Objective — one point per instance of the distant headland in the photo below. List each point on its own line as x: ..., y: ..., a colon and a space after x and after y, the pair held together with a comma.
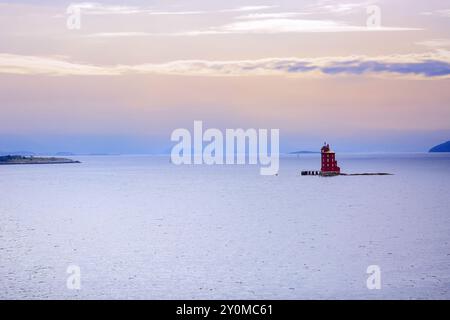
x: 443, y: 147
x: 304, y: 152
x: 15, y: 159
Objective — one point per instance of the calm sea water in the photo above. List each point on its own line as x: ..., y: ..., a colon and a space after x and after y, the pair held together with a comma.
x: 139, y: 227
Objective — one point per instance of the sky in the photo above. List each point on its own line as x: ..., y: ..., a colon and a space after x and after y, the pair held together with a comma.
x: 366, y: 76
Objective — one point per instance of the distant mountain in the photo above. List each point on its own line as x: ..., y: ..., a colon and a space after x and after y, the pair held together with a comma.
x: 444, y: 147
x: 65, y: 154
x: 17, y: 153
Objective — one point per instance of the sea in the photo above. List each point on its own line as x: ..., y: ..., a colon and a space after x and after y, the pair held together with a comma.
x: 139, y: 227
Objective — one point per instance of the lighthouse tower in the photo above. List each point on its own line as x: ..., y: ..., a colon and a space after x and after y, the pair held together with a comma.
x: 329, y: 163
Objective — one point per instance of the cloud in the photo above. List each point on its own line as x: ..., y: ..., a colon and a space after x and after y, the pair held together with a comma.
x: 120, y: 34
x: 270, y: 26
x: 324, y: 6
x: 445, y: 13
x: 55, y: 66
x: 94, y: 8
x: 272, y: 15
x: 253, y: 22
x: 102, y: 9
x: 327, y: 6
x: 434, y: 65
x: 175, y: 13
x: 441, y: 13
x: 426, y: 68
x: 267, y: 26
x: 248, y: 8
x: 435, y: 43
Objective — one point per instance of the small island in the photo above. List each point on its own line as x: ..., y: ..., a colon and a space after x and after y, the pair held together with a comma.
x: 444, y: 147
x: 13, y: 159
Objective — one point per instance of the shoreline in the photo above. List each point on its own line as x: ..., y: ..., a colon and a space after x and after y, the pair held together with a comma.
x: 35, y: 163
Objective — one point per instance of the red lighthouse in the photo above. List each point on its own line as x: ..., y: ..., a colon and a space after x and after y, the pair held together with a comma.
x: 329, y: 163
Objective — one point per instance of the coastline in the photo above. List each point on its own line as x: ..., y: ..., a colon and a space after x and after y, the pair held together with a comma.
x: 19, y: 160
